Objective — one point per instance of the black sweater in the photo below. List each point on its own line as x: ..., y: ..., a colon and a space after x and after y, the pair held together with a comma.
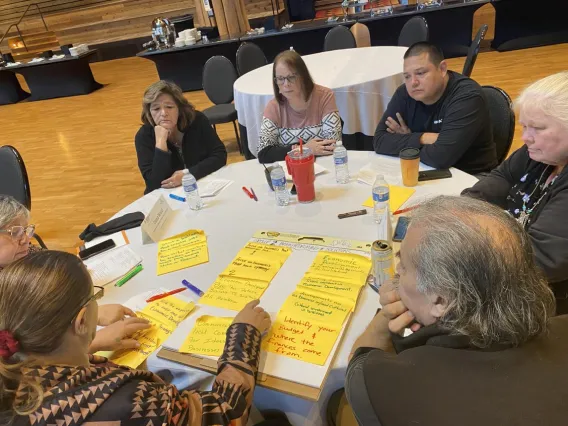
x: 203, y: 153
x: 461, y: 118
x: 436, y: 379
x: 546, y: 228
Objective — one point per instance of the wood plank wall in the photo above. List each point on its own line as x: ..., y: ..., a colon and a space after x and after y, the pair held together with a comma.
x: 96, y: 21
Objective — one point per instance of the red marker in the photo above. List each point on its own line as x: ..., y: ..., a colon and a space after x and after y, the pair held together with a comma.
x: 405, y: 210
x: 253, y: 194
x: 164, y: 295
x: 248, y: 193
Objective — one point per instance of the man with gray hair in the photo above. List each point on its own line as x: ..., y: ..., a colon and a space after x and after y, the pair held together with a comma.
x: 484, y: 350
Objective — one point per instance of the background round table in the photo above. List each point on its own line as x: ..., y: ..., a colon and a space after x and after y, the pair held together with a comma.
x: 230, y: 220
x: 363, y: 79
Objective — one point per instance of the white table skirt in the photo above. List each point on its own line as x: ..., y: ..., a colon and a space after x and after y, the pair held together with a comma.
x: 363, y: 80
x: 230, y: 220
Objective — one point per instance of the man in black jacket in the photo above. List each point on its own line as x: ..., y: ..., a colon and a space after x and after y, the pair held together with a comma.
x: 442, y: 112
x: 485, y: 350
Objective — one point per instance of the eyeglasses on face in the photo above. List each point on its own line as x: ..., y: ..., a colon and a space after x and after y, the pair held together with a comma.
x: 98, y: 293
x: 17, y: 232
x: 291, y: 79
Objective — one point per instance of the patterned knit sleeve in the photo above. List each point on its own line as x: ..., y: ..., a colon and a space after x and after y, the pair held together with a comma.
x: 331, y: 121
x: 269, y: 129
x: 228, y: 403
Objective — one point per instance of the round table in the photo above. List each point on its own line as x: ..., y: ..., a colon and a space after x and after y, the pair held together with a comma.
x: 230, y: 220
x: 363, y: 80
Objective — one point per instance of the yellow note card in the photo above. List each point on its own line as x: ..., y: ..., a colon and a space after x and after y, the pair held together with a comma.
x: 167, y: 313
x: 233, y: 293
x: 300, y: 338
x: 182, y: 251
x: 267, y: 251
x: 352, y: 268
x: 397, y: 196
x: 256, y: 268
x: 316, y: 306
x: 335, y: 287
x: 207, y: 336
x: 149, y: 341
x: 164, y: 315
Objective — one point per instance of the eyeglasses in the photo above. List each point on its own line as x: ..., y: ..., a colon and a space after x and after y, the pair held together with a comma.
x: 98, y: 293
x: 291, y: 79
x: 17, y: 232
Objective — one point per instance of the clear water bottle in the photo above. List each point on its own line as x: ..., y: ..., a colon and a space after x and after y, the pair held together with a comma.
x: 340, y: 160
x: 278, y: 178
x: 192, y: 197
x: 380, y: 199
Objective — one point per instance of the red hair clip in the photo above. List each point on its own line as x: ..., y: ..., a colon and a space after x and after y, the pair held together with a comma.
x: 8, y: 344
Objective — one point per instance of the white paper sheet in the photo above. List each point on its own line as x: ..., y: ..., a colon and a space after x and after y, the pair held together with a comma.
x: 207, y: 189
x: 110, y: 266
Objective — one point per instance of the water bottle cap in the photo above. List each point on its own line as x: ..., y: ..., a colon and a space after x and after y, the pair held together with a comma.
x: 381, y: 177
x: 185, y: 171
x: 339, y: 143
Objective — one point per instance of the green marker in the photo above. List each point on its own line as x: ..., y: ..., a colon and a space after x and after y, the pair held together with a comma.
x: 128, y: 276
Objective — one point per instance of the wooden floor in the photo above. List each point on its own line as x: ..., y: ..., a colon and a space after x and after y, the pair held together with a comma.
x: 80, y: 153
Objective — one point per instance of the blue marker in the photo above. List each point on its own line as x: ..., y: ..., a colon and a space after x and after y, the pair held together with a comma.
x: 176, y: 197
x: 192, y: 288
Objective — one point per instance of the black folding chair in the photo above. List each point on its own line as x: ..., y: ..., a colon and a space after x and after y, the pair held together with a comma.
x: 413, y: 31
x: 219, y: 75
x: 502, y: 120
x: 474, y: 51
x: 249, y: 58
x: 339, y: 38
x: 14, y: 179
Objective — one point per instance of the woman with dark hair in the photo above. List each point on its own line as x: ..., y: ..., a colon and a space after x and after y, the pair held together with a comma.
x: 174, y: 137
x: 47, y: 376
x: 300, y: 109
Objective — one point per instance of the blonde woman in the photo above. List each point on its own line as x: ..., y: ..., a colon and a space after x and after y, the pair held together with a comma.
x: 174, y: 136
x: 532, y: 184
x: 119, y: 322
x: 47, y: 376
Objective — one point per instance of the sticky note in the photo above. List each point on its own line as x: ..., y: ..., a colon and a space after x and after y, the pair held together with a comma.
x: 342, y: 289
x: 169, y: 310
x: 164, y: 315
x: 182, y: 251
x: 267, y: 251
x: 397, y: 197
x: 352, y: 268
x: 256, y: 268
x: 296, y: 337
x: 233, y: 292
x: 207, y: 336
x: 316, y: 306
x: 149, y: 341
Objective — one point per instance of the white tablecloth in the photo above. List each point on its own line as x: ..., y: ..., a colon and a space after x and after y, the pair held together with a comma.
x: 363, y: 80
x: 230, y: 220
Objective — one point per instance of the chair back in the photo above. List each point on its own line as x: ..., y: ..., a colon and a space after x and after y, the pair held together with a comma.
x: 473, y: 51
x: 502, y: 119
x: 219, y: 75
x: 413, y: 31
x: 13, y: 176
x: 361, y: 34
x: 249, y: 57
x: 339, y: 38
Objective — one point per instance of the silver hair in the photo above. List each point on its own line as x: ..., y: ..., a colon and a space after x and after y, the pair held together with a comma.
x: 481, y: 262
x: 11, y: 210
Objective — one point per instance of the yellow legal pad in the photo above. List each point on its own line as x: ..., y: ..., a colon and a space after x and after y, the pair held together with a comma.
x: 397, y: 196
x: 182, y: 251
x: 207, y: 336
x: 164, y: 315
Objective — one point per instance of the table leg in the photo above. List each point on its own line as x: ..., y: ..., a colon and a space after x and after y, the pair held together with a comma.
x: 10, y: 89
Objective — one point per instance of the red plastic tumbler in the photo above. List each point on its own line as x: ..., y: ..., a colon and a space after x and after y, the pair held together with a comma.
x: 300, y: 164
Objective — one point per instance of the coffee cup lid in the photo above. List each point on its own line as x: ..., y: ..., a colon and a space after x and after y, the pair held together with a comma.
x: 409, y: 153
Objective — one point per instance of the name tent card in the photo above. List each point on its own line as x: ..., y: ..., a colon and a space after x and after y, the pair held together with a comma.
x: 156, y: 222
